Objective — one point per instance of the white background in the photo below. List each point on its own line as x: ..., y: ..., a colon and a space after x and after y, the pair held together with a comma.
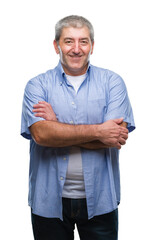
x: 125, y: 43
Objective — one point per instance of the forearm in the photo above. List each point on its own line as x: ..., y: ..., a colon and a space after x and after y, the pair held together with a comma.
x: 94, y: 145
x: 55, y: 134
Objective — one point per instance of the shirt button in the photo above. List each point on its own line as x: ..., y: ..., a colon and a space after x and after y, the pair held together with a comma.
x: 61, y: 178
x: 64, y: 158
x: 73, y: 103
x: 71, y: 122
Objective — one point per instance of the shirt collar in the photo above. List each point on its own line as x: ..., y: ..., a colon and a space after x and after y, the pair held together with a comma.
x: 61, y: 72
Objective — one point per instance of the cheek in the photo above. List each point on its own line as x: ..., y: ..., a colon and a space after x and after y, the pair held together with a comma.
x: 66, y: 49
x: 87, y: 51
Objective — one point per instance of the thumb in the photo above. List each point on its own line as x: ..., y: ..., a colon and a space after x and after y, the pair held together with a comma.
x: 118, y: 120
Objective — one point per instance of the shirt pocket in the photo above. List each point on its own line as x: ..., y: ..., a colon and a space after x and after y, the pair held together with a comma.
x: 96, y: 109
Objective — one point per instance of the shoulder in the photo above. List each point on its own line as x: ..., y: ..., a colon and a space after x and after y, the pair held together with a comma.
x: 105, y: 74
x: 40, y: 81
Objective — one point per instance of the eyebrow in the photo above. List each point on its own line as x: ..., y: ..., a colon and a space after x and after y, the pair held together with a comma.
x: 68, y: 38
x: 84, y: 39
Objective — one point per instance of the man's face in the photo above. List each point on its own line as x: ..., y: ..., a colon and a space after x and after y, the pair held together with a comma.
x: 74, y: 48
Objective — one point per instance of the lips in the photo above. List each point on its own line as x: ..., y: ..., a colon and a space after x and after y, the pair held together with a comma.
x: 75, y: 56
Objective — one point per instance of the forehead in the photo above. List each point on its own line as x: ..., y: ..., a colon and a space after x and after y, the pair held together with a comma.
x: 71, y: 32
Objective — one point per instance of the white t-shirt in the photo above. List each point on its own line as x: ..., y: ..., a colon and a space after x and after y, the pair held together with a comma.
x: 74, y: 185
x: 76, y: 81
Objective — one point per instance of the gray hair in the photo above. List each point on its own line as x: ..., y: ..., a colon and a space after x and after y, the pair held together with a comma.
x: 73, y: 21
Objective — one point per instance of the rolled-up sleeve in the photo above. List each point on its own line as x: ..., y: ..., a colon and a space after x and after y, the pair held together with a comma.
x: 33, y: 93
x: 118, y: 102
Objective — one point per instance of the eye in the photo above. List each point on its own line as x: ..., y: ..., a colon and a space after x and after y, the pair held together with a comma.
x: 68, y: 42
x: 84, y: 42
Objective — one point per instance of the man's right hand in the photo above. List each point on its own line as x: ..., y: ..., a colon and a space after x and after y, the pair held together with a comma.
x: 112, y: 134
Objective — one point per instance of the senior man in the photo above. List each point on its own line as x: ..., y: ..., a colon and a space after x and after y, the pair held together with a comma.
x: 77, y: 117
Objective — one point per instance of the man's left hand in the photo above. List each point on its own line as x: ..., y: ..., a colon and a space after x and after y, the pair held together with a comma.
x: 44, y: 110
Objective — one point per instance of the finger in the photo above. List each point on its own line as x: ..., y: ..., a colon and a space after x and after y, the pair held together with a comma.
x: 39, y: 105
x: 46, y: 117
x: 42, y: 102
x: 124, y: 130
x: 45, y: 103
x: 36, y: 105
x: 122, y: 141
x: 118, y: 146
x: 38, y: 110
x: 124, y: 135
x: 40, y: 115
x: 118, y: 120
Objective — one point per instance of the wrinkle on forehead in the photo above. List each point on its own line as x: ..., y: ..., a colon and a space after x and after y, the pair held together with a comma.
x: 76, y: 33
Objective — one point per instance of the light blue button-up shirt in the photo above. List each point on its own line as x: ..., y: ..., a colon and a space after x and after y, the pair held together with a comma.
x: 101, y: 97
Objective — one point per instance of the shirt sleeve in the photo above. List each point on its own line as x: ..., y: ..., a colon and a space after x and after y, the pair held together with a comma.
x: 33, y: 93
x: 118, y: 102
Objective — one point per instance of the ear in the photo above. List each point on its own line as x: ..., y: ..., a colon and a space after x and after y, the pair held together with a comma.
x: 56, y: 47
x: 92, y: 47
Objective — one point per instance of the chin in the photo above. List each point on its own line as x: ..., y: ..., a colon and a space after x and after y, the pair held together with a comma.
x: 75, y: 66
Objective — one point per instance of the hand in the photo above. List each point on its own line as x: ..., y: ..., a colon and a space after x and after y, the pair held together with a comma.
x: 44, y: 110
x: 112, y: 134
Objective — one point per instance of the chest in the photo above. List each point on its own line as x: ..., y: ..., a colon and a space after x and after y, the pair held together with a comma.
x: 87, y: 106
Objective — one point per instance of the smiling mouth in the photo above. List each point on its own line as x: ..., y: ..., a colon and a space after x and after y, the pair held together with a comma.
x: 75, y: 56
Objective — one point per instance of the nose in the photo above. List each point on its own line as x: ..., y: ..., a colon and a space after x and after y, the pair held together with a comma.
x: 76, y: 48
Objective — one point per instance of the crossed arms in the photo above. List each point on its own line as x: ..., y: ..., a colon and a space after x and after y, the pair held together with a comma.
x: 51, y: 133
